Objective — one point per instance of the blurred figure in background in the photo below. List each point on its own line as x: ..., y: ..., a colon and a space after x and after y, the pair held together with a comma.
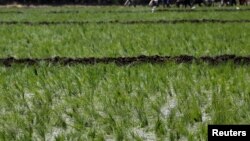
x: 153, y: 4
x: 228, y: 2
x: 243, y: 2
x: 233, y: 2
x: 130, y: 2
x: 166, y: 3
x: 184, y: 2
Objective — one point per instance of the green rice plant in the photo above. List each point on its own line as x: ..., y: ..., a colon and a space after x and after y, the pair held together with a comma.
x: 121, y: 40
x: 167, y: 101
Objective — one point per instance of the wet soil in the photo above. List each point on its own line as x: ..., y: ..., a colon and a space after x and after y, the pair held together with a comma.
x: 214, y: 60
x: 197, y: 21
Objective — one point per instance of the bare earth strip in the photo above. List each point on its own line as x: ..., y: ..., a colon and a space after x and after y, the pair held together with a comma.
x: 123, y: 22
x: 242, y: 60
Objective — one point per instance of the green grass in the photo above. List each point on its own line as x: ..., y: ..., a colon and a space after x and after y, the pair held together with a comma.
x: 101, y: 101
x: 118, y: 13
x: 124, y: 40
x: 132, y: 102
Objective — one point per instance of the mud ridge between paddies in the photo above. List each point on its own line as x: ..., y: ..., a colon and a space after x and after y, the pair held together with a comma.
x: 214, y: 60
x: 195, y: 21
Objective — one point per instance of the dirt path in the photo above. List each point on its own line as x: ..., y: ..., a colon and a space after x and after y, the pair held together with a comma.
x: 214, y: 60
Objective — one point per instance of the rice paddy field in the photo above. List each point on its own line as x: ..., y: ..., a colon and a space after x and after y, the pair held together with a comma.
x: 44, y: 97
